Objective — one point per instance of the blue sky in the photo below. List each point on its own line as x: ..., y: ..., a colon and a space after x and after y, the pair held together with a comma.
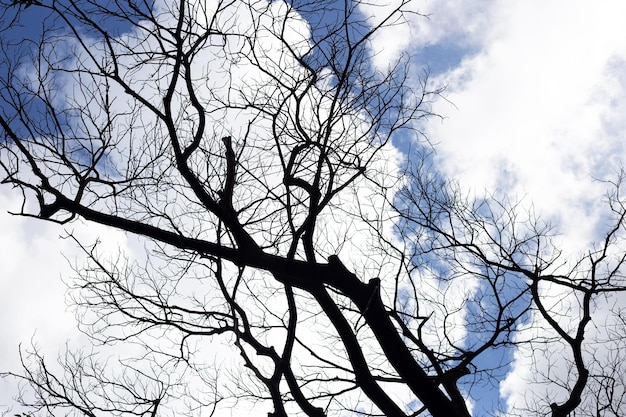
x: 534, y: 108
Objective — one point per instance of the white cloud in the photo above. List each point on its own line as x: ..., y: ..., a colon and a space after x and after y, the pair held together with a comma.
x: 430, y: 23
x: 531, y: 108
x: 538, y: 113
x: 34, y: 261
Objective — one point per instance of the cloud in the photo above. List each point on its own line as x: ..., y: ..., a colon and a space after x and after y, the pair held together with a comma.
x: 35, y: 259
x: 536, y: 112
x: 435, y: 30
x: 536, y: 92
x: 533, y: 111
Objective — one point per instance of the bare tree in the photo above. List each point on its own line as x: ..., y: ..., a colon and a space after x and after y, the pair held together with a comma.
x: 527, y: 286
x: 248, y: 144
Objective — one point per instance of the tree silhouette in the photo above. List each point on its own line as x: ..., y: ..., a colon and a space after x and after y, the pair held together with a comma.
x: 247, y: 143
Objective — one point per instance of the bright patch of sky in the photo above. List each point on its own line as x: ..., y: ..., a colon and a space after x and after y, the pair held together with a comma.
x: 537, y: 110
x: 35, y: 263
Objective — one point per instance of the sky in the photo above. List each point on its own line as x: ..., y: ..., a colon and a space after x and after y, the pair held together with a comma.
x: 534, y: 109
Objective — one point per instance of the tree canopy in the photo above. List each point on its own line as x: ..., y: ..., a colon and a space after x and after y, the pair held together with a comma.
x: 295, y: 262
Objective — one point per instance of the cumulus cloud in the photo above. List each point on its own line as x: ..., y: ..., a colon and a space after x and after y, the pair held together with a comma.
x: 535, y: 112
x: 35, y: 261
x: 531, y: 110
x: 437, y: 33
